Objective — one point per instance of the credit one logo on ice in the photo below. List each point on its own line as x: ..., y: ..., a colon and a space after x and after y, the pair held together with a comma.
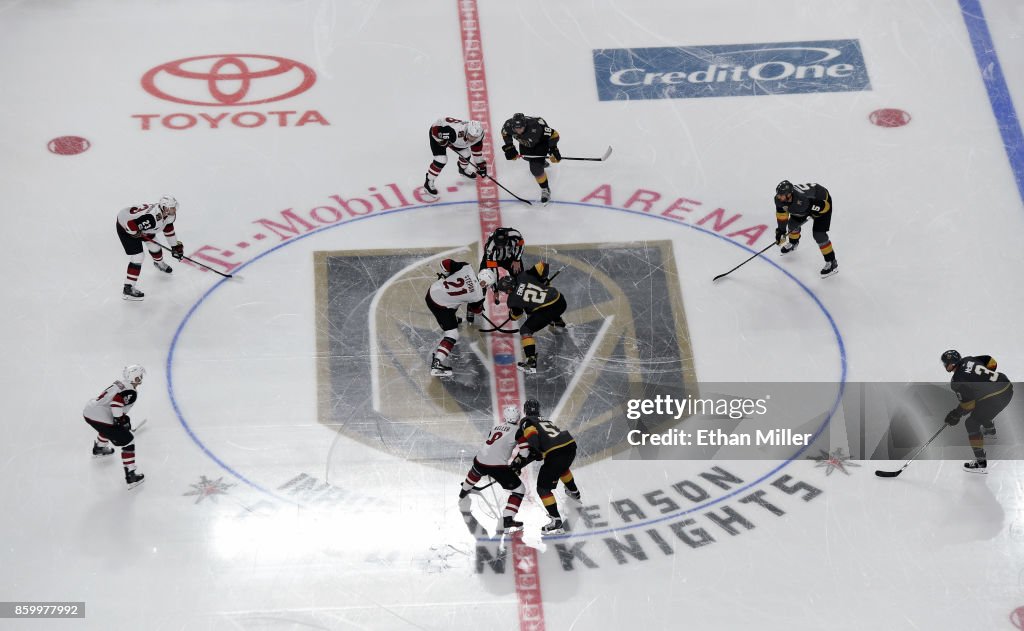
x: 229, y: 81
x: 730, y: 70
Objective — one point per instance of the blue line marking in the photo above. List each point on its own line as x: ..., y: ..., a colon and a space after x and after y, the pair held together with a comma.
x: 995, y: 85
x: 590, y: 533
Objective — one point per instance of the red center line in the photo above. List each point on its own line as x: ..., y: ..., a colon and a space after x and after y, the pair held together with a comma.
x: 503, y: 352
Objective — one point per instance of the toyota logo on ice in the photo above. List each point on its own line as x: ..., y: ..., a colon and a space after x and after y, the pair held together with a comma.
x: 228, y: 80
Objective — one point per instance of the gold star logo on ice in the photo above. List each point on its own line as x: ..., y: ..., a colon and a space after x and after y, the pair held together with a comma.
x: 834, y: 461
x: 206, y: 488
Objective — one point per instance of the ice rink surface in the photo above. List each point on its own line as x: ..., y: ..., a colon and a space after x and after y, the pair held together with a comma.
x: 302, y: 468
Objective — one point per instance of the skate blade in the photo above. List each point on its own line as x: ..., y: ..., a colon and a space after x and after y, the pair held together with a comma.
x: 556, y: 531
x: 527, y: 370
x: 440, y: 373
x: 132, y: 485
x: 832, y: 273
x: 978, y: 471
x: 102, y: 455
x: 132, y: 298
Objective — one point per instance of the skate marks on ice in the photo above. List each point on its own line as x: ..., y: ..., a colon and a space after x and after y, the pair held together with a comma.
x: 627, y: 339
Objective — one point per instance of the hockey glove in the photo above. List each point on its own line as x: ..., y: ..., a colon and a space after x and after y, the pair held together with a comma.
x: 953, y: 418
x: 467, y: 169
x: 481, y: 168
x: 780, y: 235
x: 123, y: 421
x: 178, y: 251
x: 556, y: 155
x: 510, y: 152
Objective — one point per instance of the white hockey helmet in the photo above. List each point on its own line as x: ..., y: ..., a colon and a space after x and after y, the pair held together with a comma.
x: 133, y: 375
x: 168, y: 204
x: 474, y: 131
x: 510, y: 414
x: 487, y: 278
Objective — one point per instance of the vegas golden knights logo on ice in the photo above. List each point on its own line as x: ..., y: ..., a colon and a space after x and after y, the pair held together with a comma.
x: 627, y: 339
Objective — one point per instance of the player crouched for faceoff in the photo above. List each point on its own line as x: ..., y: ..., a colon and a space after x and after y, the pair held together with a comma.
x: 466, y: 139
x: 530, y: 294
x: 541, y: 439
x: 139, y: 224
x: 538, y: 143
x: 108, y: 415
x: 493, y: 460
x: 794, y: 205
x: 983, y: 393
x: 456, y: 284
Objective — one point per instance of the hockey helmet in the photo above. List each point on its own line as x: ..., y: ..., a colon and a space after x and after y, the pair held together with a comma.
x: 168, y: 203
x: 487, y: 278
x: 446, y: 267
x: 133, y: 375
x: 506, y: 284
x: 951, y: 357
x: 785, y: 187
x: 531, y: 407
x: 474, y: 132
x: 518, y: 120
x: 510, y: 414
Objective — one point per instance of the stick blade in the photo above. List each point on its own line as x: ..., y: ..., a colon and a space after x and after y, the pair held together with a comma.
x: 719, y: 276
x: 888, y: 474
x: 607, y: 153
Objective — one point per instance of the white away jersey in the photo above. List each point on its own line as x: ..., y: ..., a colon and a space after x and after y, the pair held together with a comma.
x: 112, y: 403
x: 462, y: 140
x: 459, y: 288
x: 497, y: 449
x: 146, y: 218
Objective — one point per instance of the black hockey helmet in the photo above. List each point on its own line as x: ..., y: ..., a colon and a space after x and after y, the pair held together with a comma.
x: 785, y: 187
x: 518, y: 120
x: 531, y: 407
x: 951, y: 357
x: 506, y: 284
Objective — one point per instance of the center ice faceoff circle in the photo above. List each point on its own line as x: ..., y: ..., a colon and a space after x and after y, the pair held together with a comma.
x: 190, y: 406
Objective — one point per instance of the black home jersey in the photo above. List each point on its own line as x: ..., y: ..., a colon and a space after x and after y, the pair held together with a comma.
x: 529, y: 297
x: 542, y: 435
x: 536, y: 134
x: 808, y: 200
x: 975, y: 378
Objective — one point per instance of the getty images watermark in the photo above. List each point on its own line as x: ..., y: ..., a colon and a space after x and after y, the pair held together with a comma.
x: 666, y: 406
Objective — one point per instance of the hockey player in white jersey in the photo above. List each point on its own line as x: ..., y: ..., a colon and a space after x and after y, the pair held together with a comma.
x: 140, y: 224
x: 108, y: 415
x: 493, y: 460
x: 466, y: 139
x: 456, y: 285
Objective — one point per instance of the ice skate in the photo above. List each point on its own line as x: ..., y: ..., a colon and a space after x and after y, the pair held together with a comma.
x: 430, y: 192
x: 99, y: 450
x: 545, y: 196
x: 437, y: 369
x: 976, y: 466
x: 831, y: 268
x: 163, y: 267
x: 511, y: 524
x: 529, y: 366
x: 131, y: 293
x: 553, y: 527
x: 133, y: 478
x: 575, y: 495
x: 989, y: 433
x: 789, y: 246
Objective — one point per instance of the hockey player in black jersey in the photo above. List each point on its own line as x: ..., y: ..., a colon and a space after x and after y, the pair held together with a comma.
x: 542, y: 305
x: 794, y: 205
x: 983, y: 393
x: 538, y: 144
x: 543, y: 440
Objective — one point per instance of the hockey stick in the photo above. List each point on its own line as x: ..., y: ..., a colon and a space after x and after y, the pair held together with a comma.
x: 496, y: 328
x: 607, y: 153
x: 893, y: 474
x: 141, y: 424
x: 238, y: 278
x: 773, y: 244
x: 488, y: 176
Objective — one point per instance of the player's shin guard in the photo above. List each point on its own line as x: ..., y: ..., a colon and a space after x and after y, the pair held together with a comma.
x: 512, y: 506
x: 978, y: 446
